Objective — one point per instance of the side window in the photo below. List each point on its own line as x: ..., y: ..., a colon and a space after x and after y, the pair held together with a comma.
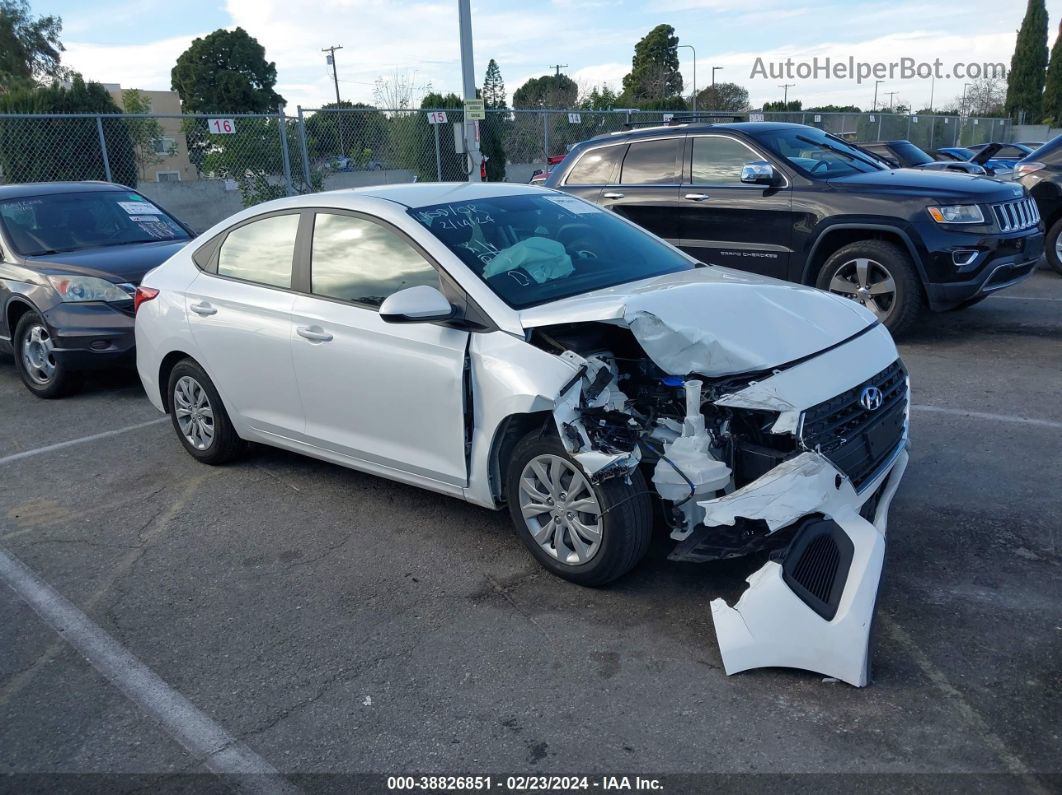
x: 651, y: 162
x: 363, y: 261
x: 595, y: 167
x: 261, y: 251
x: 718, y: 160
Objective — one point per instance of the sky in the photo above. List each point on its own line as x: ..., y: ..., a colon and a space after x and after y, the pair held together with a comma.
x: 136, y: 43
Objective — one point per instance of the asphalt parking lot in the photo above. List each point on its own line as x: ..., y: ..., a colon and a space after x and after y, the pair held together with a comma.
x: 334, y: 622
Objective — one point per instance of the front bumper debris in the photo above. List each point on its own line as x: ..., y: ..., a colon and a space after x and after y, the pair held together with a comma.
x: 812, y: 605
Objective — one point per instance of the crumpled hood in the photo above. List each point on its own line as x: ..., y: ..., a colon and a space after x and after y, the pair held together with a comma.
x: 714, y: 321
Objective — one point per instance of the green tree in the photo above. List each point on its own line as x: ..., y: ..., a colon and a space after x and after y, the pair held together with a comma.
x: 29, y: 46
x: 144, y: 133
x: 784, y: 107
x: 839, y: 109
x: 350, y: 129
x: 603, y: 98
x: 654, y: 74
x: 493, y: 129
x: 1025, y: 82
x: 50, y: 150
x: 723, y: 96
x: 414, y: 139
x: 1053, y: 87
x: 226, y: 72
x: 548, y: 91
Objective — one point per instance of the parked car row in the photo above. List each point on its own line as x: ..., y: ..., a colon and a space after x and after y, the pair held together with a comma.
x: 538, y: 350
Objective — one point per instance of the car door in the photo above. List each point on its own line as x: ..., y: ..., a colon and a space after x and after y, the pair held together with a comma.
x: 389, y: 394
x: 647, y: 188
x: 723, y: 221
x: 239, y: 313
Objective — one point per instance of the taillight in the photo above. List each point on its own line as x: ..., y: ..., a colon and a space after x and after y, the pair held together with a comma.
x: 143, y: 294
x: 1023, y: 169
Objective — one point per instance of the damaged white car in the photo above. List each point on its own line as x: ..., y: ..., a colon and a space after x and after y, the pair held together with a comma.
x: 522, y: 348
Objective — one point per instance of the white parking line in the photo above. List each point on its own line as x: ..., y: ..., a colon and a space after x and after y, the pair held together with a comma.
x: 984, y: 415
x: 1024, y: 298
x: 219, y: 751
x: 7, y: 459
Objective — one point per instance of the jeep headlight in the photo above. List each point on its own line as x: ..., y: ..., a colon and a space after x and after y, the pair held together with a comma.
x: 87, y: 288
x: 957, y: 214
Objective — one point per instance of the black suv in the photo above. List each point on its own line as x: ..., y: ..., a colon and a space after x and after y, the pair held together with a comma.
x: 796, y: 203
x: 1041, y: 174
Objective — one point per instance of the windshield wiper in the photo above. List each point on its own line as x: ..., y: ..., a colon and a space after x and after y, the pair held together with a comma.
x: 841, y: 152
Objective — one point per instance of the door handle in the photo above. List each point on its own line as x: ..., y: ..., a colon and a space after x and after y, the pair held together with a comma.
x: 697, y: 197
x: 313, y: 333
x: 203, y: 309
x: 612, y: 195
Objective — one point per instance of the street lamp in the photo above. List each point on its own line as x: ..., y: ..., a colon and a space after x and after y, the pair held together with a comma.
x: 962, y: 104
x: 714, y: 68
x: 876, y: 84
x: 690, y: 46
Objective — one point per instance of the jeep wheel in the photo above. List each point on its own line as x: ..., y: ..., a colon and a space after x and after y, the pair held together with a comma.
x: 1053, y: 246
x: 881, y: 277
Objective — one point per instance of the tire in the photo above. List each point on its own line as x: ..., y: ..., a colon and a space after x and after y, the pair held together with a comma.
x: 1051, y: 246
x: 887, y: 265
x: 624, y: 518
x: 199, y: 417
x: 44, y: 375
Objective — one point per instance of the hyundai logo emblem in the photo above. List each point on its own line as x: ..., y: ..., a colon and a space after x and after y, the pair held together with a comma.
x: 871, y: 398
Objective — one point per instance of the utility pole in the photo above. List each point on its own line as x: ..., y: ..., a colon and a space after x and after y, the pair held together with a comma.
x: 876, y: 84
x: 690, y: 47
x: 785, y: 95
x: 468, y: 79
x: 558, y: 67
x: 892, y: 96
x: 331, y: 60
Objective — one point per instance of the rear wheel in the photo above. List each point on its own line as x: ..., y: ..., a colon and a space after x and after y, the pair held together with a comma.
x: 41, y: 371
x: 880, y: 276
x: 1053, y: 246
x: 584, y: 532
x: 198, y: 416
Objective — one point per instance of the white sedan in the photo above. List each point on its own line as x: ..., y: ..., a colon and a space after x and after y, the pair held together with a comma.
x: 517, y: 347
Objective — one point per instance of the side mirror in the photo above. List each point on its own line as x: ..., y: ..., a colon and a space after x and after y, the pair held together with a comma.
x: 419, y: 304
x: 759, y: 172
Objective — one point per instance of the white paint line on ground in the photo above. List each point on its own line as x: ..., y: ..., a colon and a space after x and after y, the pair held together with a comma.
x: 7, y: 459
x: 1010, y: 760
x: 219, y: 751
x: 1025, y: 298
x: 984, y: 415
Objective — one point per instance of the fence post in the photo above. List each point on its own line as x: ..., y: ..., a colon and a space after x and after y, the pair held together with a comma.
x: 438, y: 155
x: 545, y: 137
x: 282, y: 120
x: 880, y: 119
x: 103, y: 149
x: 305, y: 152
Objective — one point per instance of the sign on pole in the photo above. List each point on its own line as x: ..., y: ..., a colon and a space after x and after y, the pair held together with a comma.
x: 222, y: 126
x: 668, y: 117
x: 574, y: 118
x: 759, y: 117
x: 437, y: 117
x: 474, y: 110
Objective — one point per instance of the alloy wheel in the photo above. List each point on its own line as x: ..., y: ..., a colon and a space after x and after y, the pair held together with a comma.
x: 867, y: 282
x: 195, y: 415
x: 560, y: 509
x: 38, y: 355
x: 1058, y: 248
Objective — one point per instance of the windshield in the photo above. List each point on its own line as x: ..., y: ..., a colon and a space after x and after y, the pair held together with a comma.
x: 59, y: 222
x: 815, y: 154
x: 911, y: 153
x: 534, y: 248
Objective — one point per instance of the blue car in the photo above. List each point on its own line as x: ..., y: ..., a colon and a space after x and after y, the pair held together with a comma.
x: 993, y: 165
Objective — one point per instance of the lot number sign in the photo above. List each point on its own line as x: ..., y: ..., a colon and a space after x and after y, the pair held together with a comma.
x: 437, y: 117
x: 222, y: 126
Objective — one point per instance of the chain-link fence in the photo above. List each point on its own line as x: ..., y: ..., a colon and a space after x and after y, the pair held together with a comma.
x: 204, y: 168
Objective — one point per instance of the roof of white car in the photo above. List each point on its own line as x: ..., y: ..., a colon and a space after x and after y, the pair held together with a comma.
x: 424, y: 194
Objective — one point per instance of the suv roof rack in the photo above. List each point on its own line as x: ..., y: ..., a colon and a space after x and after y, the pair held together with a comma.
x: 687, y: 118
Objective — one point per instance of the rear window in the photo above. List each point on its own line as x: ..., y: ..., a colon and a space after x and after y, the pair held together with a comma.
x: 651, y: 162
x: 58, y: 222
x: 595, y: 167
x: 911, y: 153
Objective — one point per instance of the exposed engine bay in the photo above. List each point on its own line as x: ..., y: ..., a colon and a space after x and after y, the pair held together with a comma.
x: 747, y: 463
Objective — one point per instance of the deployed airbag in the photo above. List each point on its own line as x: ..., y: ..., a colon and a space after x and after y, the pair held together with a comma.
x: 542, y: 258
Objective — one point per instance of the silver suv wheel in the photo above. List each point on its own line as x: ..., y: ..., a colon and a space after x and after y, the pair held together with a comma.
x: 37, y: 355
x: 560, y: 509
x: 195, y: 415
x: 868, y: 282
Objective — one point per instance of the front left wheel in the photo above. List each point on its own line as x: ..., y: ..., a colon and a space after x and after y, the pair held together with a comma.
x: 43, y: 373
x: 199, y: 417
x: 584, y: 532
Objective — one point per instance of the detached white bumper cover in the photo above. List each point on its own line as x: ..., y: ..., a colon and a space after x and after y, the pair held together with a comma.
x: 771, y: 625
